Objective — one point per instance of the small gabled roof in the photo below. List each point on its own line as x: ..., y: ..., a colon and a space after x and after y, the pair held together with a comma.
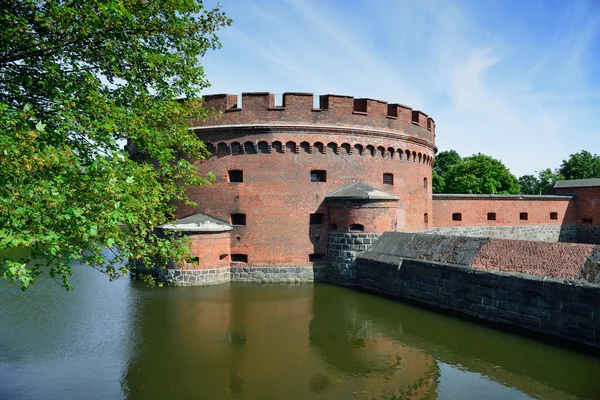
x: 360, y: 191
x: 574, y: 183
x: 198, y: 222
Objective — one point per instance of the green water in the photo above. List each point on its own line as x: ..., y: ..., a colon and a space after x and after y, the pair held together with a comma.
x: 112, y: 340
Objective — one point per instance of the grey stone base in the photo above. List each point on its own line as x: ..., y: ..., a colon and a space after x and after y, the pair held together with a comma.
x: 190, y: 277
x: 272, y: 274
x: 215, y: 276
x: 588, y: 234
x: 342, y: 250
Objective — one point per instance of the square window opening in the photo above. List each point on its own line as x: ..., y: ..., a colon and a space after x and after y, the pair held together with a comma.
x: 456, y: 217
x: 553, y: 215
x: 238, y: 219
x: 357, y: 228
x: 243, y: 258
x: 317, y: 219
x: 491, y: 216
x: 315, y: 258
x: 318, y: 175
x: 388, y: 179
x: 523, y: 216
x: 236, y: 175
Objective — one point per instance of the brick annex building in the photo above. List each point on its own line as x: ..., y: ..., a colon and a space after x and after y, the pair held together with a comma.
x: 290, y: 177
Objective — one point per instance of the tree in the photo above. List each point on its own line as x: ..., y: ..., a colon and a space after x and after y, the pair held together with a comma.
x: 547, y: 178
x: 480, y: 174
x: 443, y: 161
x: 529, y: 184
x: 77, y: 79
x: 582, y: 165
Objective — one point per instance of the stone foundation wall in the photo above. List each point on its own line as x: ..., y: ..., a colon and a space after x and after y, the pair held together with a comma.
x: 588, y: 234
x: 566, y: 309
x: 342, y: 250
x: 273, y: 274
x: 192, y: 277
x: 543, y: 233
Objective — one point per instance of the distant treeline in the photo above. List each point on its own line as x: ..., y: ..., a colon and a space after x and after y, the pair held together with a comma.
x: 481, y: 174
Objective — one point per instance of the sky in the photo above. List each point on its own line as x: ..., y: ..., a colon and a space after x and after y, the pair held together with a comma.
x: 516, y: 80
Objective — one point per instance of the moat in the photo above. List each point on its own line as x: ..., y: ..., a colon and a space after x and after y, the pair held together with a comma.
x: 111, y: 340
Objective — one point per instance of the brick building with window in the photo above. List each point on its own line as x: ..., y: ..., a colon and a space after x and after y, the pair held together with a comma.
x: 289, y: 175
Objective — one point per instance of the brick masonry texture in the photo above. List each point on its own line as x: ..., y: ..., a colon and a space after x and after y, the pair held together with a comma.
x: 557, y: 260
x: 565, y: 309
x: 566, y: 215
x: 278, y: 147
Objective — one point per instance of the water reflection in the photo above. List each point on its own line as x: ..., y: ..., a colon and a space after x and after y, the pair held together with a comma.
x: 123, y: 340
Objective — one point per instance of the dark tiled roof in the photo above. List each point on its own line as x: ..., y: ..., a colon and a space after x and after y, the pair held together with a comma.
x: 574, y: 183
x: 360, y: 191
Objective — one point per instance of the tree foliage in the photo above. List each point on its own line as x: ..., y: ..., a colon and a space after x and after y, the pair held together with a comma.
x: 531, y: 184
x: 443, y: 161
x: 582, y: 165
x: 480, y: 174
x: 77, y: 79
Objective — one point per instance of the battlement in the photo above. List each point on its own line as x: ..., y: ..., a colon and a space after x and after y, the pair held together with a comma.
x: 329, y: 109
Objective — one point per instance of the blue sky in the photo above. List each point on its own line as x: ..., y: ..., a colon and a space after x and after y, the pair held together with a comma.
x: 517, y: 80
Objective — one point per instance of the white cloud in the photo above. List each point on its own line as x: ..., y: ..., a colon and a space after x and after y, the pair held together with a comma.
x: 506, y: 88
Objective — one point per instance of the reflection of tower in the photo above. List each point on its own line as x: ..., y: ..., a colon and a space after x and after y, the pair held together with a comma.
x: 183, y: 344
x: 364, y: 359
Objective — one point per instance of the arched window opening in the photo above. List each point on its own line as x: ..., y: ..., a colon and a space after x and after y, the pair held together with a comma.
x: 347, y: 149
x: 332, y: 148
x: 263, y: 147
x: 222, y: 149
x: 370, y: 150
x: 320, y: 148
x: 291, y: 147
x: 357, y: 228
x: 277, y: 146
x: 305, y: 146
x: 236, y: 149
x: 249, y: 148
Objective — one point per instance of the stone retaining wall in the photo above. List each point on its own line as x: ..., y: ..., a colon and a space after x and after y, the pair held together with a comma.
x: 192, y: 277
x: 544, y: 233
x: 565, y: 309
x: 272, y: 274
x: 588, y: 233
x: 342, y: 250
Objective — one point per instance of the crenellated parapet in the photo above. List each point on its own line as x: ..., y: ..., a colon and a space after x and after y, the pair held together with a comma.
x: 333, y: 111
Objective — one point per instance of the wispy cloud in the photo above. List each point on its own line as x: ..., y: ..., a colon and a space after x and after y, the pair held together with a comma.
x: 518, y: 82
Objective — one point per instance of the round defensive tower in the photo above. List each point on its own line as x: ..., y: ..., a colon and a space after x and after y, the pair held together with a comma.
x: 288, y: 175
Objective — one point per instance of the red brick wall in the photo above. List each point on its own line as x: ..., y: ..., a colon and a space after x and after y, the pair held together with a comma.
x: 376, y: 217
x: 474, y: 211
x: 339, y: 110
x: 209, y: 248
x: 277, y: 194
x: 587, y: 202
